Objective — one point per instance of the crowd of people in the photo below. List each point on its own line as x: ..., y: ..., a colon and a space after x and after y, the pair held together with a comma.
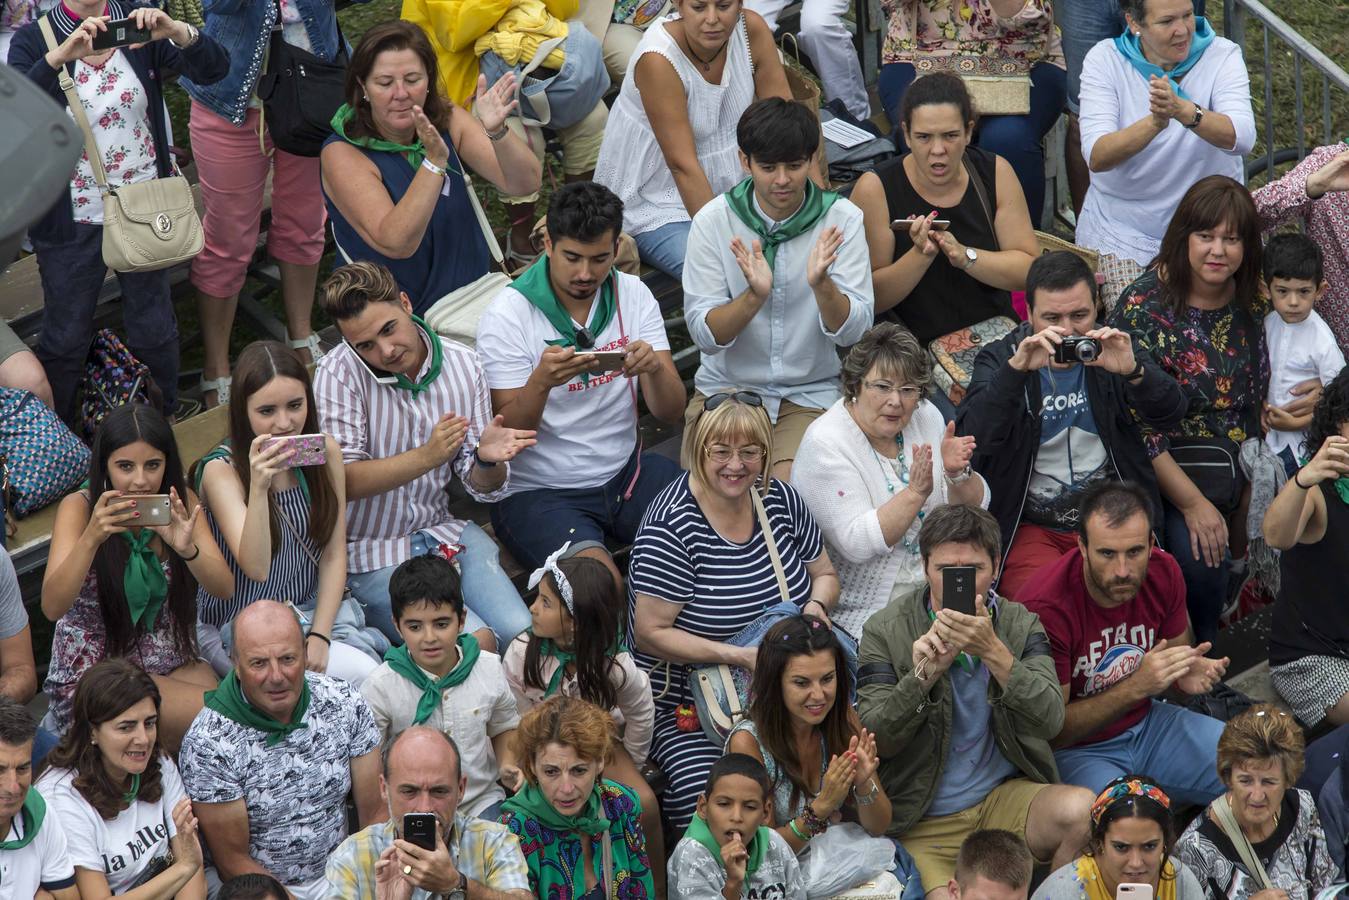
x: 968, y: 624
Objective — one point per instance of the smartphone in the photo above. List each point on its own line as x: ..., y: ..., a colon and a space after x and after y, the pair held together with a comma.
x: 611, y: 361
x: 380, y: 376
x: 154, y: 509
x: 307, y: 449
x: 120, y: 33
x: 419, y: 829
x: 906, y: 224
x: 957, y: 589
x: 1131, y: 891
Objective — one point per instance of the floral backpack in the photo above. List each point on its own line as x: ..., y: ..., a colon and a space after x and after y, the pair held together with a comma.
x: 113, y: 376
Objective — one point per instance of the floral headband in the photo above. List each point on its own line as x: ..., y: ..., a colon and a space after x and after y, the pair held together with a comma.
x: 563, y: 585
x: 1134, y: 787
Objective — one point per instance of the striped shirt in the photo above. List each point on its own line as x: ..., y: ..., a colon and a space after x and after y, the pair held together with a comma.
x: 293, y: 576
x: 720, y: 585
x: 376, y: 421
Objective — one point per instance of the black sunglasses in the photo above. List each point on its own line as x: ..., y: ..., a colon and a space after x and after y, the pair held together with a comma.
x: 749, y: 398
x: 584, y: 339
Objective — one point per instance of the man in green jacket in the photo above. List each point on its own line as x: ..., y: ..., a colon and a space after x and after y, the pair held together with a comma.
x: 963, y: 708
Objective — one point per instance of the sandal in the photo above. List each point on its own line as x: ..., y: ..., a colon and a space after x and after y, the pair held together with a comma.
x: 221, y: 386
x: 515, y: 260
x: 310, y: 343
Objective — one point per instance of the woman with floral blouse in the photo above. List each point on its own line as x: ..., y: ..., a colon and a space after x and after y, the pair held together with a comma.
x: 983, y: 37
x: 1198, y: 312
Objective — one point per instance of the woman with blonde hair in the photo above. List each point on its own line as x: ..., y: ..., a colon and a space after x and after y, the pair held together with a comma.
x: 1263, y: 836
x: 703, y: 569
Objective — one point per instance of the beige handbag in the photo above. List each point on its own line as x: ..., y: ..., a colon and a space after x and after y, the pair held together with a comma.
x: 148, y: 225
x: 456, y: 315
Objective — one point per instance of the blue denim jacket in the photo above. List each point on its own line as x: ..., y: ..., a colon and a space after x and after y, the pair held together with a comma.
x: 243, y: 28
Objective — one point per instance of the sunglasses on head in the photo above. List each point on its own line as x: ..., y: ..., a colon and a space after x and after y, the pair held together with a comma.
x: 749, y: 398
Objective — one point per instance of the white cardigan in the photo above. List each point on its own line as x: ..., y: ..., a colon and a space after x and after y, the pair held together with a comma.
x: 843, y: 483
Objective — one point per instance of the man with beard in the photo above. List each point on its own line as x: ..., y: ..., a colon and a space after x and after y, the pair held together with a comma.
x: 1114, y: 610
x: 567, y: 348
x: 472, y: 858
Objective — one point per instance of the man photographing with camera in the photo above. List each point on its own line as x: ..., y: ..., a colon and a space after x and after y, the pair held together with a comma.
x: 1053, y: 413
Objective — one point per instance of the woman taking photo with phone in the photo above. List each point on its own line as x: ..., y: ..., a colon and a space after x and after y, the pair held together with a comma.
x: 279, y: 514
x: 116, y: 586
x: 1132, y: 836
x: 118, y: 797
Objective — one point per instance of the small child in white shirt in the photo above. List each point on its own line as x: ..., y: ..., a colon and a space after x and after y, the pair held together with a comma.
x: 1301, y: 345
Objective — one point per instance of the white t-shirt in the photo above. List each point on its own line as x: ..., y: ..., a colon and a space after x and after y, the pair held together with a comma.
x: 589, y: 428
x: 127, y: 846
x: 1297, y: 352
x: 42, y: 864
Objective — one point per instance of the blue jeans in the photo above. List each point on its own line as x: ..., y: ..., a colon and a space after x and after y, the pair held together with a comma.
x: 72, y: 278
x: 532, y: 524
x: 1176, y: 747
x: 44, y: 742
x: 1016, y: 139
x: 1205, y: 585
x: 490, y: 599
x: 1084, y: 24
x: 664, y: 247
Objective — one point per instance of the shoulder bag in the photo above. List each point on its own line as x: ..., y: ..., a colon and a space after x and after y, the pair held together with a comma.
x: 300, y: 92
x: 564, y: 97
x: 953, y: 354
x: 1225, y: 820
x: 456, y: 315
x: 148, y: 225
x: 40, y: 458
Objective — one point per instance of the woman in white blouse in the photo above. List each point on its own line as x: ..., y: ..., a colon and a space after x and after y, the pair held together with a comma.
x: 874, y: 465
x: 1163, y: 105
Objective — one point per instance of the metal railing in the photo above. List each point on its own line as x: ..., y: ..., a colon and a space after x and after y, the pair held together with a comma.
x: 1334, y: 81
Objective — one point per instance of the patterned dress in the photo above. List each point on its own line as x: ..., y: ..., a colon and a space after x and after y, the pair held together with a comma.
x: 624, y: 814
x: 1217, y: 356
x: 81, y: 640
x: 970, y: 28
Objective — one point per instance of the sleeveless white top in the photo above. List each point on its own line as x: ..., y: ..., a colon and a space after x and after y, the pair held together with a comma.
x: 631, y: 163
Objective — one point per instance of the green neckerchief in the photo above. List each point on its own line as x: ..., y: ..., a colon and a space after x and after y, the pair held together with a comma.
x: 817, y: 203
x: 143, y: 582
x: 229, y: 701
x: 400, y: 660
x: 437, y: 357
x: 699, y: 832
x: 33, y: 812
x: 549, y: 647
x: 1341, y: 483
x: 414, y: 153
x: 130, y: 796
x: 556, y: 876
x: 965, y: 660
x: 536, y: 287
x: 223, y: 451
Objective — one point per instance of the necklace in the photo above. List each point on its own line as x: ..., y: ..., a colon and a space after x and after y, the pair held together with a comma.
x: 909, y: 544
x: 704, y: 64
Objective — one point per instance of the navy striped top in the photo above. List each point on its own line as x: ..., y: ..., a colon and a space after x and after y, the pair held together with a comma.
x: 293, y: 576
x: 724, y: 586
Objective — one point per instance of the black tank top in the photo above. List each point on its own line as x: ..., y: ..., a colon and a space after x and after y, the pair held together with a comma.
x: 947, y: 299
x: 1310, y: 616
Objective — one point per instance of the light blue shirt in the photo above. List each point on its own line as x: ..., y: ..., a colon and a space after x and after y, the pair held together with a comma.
x: 974, y: 764
x: 785, y: 352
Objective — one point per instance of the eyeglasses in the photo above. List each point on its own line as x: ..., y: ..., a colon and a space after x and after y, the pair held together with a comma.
x: 908, y: 392
x: 721, y: 455
x: 749, y: 398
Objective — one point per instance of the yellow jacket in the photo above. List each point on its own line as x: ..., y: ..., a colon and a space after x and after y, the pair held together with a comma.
x: 462, y: 30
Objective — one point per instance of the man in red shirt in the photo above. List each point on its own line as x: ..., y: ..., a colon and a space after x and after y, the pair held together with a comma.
x: 1114, y: 610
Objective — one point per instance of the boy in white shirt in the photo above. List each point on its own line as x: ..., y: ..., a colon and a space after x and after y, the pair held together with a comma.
x: 1301, y: 344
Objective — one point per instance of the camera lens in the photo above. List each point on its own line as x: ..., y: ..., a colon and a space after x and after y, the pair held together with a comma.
x: 1087, y: 350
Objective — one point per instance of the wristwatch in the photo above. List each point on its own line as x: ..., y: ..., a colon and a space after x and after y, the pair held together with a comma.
x: 971, y: 257
x: 482, y: 463
x: 192, y: 33
x: 960, y: 477
x: 1198, y: 117
x: 461, y: 892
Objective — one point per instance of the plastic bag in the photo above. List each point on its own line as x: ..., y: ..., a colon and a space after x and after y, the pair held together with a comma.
x: 844, y: 857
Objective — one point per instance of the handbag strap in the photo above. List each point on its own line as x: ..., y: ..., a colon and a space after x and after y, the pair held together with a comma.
x: 734, y: 711
x: 295, y: 533
x: 982, y: 190
x: 1222, y: 814
x: 541, y: 99
x: 772, y: 545
x: 481, y: 216
x: 76, y: 108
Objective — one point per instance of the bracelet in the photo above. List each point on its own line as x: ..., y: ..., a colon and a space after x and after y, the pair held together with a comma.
x: 432, y: 167
x: 497, y: 136
x: 193, y: 556
x: 814, y: 824
x: 797, y: 831
x: 1137, y: 371
x: 192, y: 35
x: 323, y: 637
x: 482, y: 462
x: 870, y: 796
x: 1300, y: 484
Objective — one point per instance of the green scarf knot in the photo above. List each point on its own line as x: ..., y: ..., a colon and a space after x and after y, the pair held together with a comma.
x: 414, y: 153
x: 549, y: 647
x: 229, y: 701
x: 400, y: 660
x: 143, y: 582
x: 536, y: 287
x: 33, y: 812
x: 817, y: 203
x: 699, y: 832
x: 530, y: 803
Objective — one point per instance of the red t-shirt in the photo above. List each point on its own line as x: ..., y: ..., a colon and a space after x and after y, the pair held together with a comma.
x: 1095, y: 647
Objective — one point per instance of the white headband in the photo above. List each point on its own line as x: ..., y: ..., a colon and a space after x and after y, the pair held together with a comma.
x: 563, y: 585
